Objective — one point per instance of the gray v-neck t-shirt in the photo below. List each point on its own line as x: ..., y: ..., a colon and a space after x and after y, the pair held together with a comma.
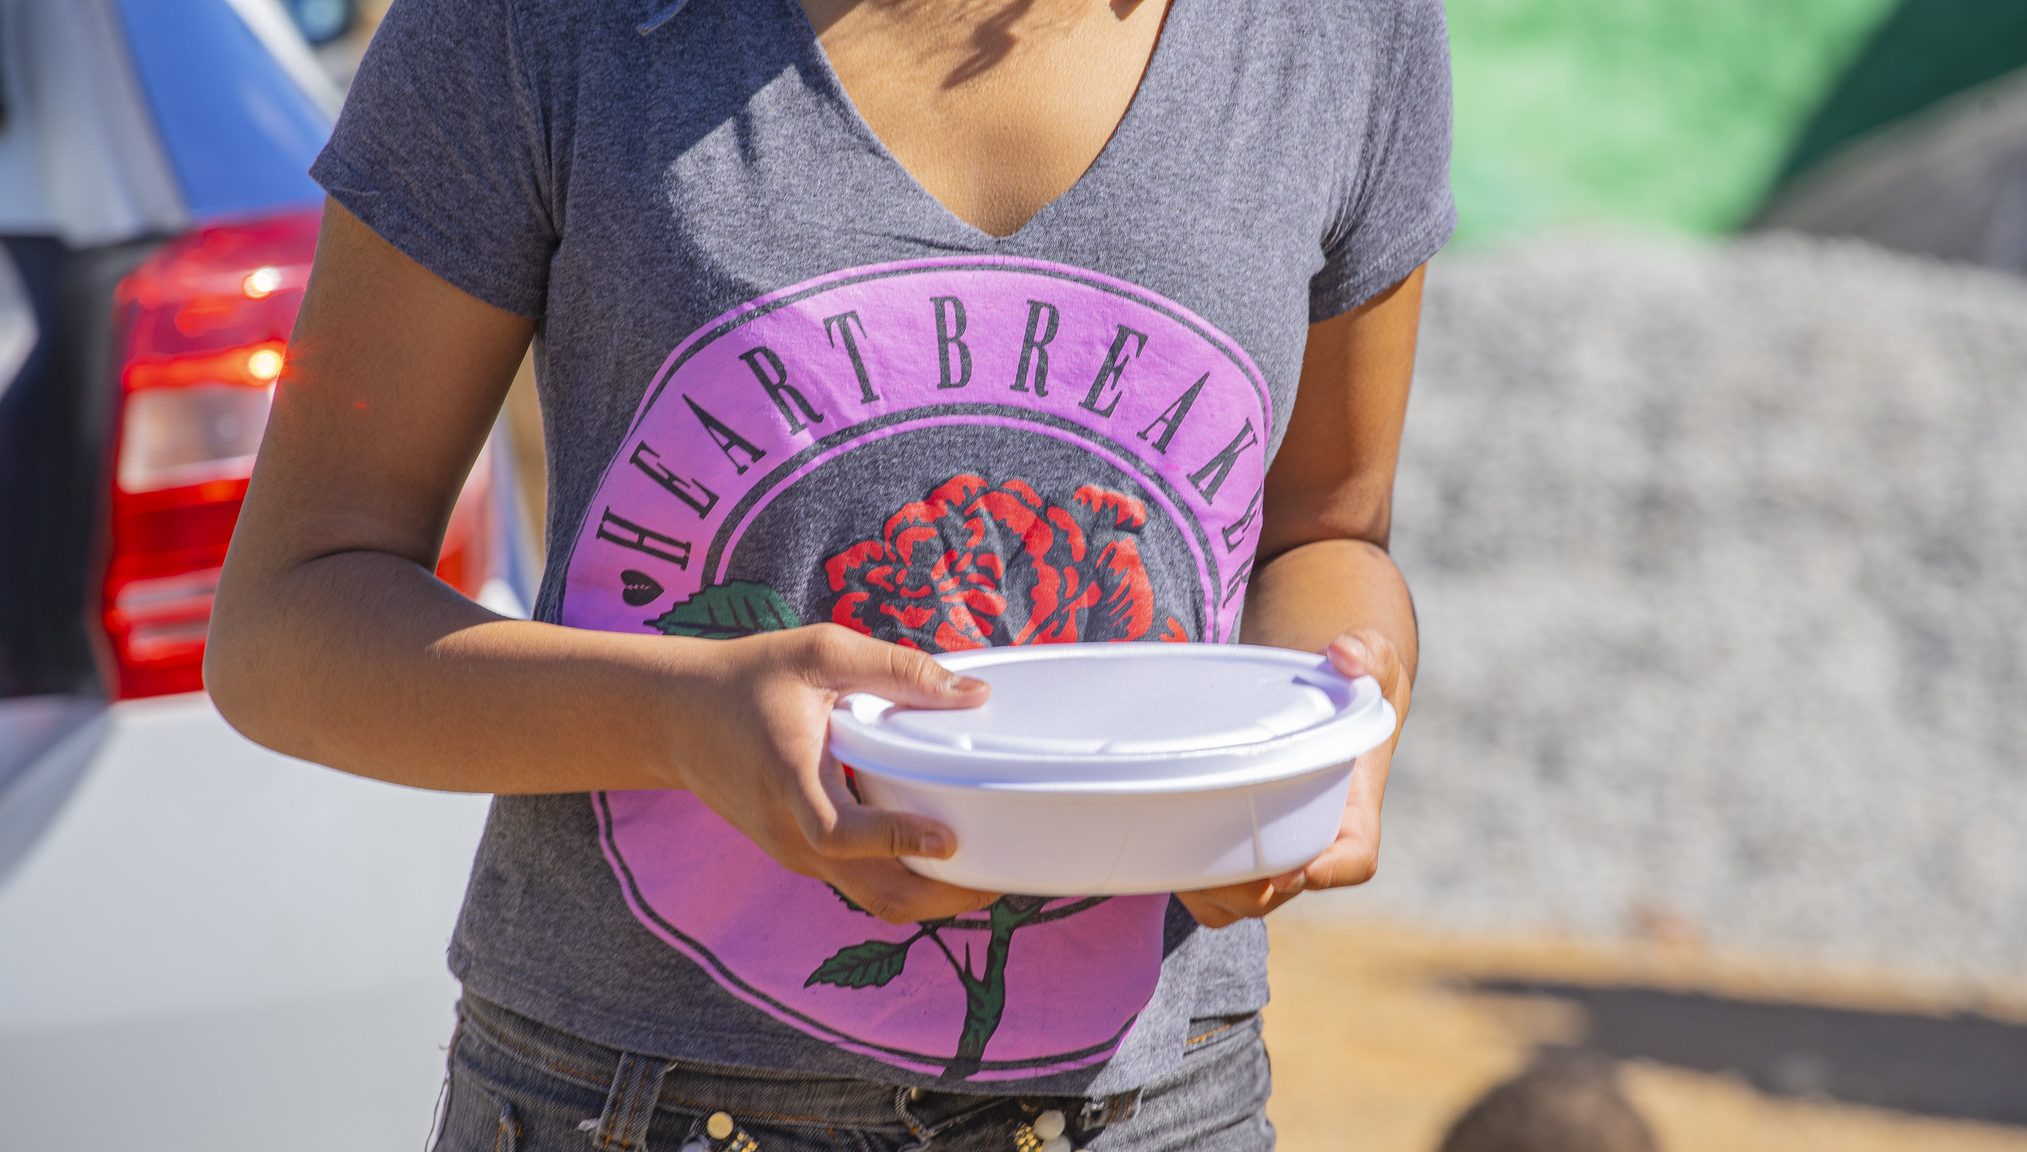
x: 782, y: 384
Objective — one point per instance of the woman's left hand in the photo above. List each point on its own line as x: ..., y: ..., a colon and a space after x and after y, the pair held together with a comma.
x: 1353, y: 857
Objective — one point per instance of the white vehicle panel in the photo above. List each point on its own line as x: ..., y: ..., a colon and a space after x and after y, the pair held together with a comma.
x: 87, y: 167
x: 215, y: 946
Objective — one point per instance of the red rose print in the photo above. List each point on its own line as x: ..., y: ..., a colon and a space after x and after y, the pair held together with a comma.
x: 975, y: 565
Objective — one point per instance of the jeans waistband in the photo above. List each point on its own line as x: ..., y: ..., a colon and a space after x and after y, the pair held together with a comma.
x: 781, y: 1097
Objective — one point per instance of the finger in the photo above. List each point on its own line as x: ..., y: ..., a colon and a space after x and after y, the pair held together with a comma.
x: 837, y: 827
x: 1369, y: 782
x: 1206, y: 912
x: 1217, y: 907
x: 844, y: 829
x: 1345, y: 864
x: 845, y: 661
x: 1365, y: 652
x: 1353, y: 858
x: 887, y: 890
x: 1214, y: 914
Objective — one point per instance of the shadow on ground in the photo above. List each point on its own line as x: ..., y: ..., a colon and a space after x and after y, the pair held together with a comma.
x: 1966, y: 1066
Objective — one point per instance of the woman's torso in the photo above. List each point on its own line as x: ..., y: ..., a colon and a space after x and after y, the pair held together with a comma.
x: 783, y: 383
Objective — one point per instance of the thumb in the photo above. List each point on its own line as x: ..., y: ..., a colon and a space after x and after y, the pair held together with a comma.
x: 1364, y: 652
x: 841, y: 828
x: 849, y: 662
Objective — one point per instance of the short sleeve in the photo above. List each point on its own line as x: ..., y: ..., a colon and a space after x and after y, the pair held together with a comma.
x: 441, y: 150
x: 1397, y: 209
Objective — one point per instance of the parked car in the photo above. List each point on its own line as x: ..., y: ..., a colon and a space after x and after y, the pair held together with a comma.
x: 203, y: 944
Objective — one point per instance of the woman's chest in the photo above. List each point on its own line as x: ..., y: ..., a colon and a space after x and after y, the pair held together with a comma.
x: 998, y: 108
x: 737, y: 167
x: 766, y: 341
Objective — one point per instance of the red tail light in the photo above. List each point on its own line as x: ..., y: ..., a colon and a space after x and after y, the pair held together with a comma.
x: 203, y: 326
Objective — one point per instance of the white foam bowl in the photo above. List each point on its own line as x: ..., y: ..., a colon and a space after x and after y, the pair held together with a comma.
x: 1109, y: 769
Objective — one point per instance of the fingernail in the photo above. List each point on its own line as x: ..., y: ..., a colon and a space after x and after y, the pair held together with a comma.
x: 1354, y: 649
x: 962, y: 684
x: 935, y: 844
x: 1292, y: 884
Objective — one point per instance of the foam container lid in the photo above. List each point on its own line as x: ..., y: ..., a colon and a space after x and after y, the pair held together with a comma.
x: 1147, y: 717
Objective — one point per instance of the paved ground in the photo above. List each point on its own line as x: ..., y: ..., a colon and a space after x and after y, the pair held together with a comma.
x: 1382, y: 1035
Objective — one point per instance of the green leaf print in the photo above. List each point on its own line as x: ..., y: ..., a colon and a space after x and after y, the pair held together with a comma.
x: 876, y: 962
x: 869, y: 965
x: 728, y: 611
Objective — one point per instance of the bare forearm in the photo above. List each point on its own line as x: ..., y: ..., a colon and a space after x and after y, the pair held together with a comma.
x: 1308, y: 595
x: 362, y: 661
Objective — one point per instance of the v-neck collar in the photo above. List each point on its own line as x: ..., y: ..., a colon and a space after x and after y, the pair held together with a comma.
x: 1109, y: 154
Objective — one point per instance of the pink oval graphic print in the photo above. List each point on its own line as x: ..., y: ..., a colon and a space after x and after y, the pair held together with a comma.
x: 945, y: 454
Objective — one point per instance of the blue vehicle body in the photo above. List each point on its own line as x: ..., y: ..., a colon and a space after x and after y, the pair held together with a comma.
x: 240, y: 128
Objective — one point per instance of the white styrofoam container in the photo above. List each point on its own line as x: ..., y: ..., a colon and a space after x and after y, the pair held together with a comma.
x: 1107, y: 769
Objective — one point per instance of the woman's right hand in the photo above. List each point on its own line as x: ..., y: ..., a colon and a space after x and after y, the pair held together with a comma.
x: 755, y: 753
x: 332, y: 642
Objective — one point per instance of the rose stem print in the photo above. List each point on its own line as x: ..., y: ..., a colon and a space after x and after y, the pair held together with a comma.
x: 874, y: 963
x: 972, y: 565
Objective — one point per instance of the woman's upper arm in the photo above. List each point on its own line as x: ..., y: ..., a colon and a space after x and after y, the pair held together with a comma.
x: 1333, y: 477
x: 392, y: 382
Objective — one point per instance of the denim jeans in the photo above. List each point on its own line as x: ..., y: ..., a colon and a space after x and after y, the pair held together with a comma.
x: 518, y: 1086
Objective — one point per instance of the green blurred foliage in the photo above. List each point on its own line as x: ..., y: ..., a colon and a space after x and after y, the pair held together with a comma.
x: 1637, y: 114
x: 1929, y: 51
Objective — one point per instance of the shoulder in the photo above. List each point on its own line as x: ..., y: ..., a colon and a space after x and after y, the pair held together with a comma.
x: 630, y: 43
x: 1374, y: 27
x: 611, y: 22
x: 573, y: 19
x: 1364, y: 54
x: 535, y: 28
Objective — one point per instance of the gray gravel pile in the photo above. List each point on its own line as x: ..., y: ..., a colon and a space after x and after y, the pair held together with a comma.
x: 1721, y: 559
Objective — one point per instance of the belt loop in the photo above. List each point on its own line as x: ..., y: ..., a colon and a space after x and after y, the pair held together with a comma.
x: 630, y: 1106
x: 1109, y: 1110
